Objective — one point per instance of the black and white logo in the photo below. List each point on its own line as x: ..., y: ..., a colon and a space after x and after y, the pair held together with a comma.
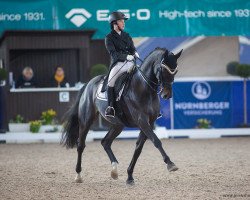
x: 64, y: 97
x: 201, y: 90
x: 78, y: 16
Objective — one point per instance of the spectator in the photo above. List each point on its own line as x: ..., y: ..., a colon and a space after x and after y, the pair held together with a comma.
x: 26, y: 80
x: 59, y: 79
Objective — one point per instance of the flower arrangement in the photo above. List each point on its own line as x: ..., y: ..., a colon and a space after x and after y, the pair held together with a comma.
x: 35, y: 126
x: 203, y: 123
x: 48, y: 116
x: 18, y: 119
x: 18, y: 124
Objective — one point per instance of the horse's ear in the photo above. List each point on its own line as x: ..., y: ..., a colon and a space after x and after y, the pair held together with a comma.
x: 178, y: 54
x: 165, y: 54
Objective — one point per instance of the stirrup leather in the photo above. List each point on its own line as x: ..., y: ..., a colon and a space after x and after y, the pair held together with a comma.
x: 107, y: 109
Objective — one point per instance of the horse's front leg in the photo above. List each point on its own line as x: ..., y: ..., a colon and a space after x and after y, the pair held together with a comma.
x: 139, y: 145
x: 148, y: 131
x: 106, y: 143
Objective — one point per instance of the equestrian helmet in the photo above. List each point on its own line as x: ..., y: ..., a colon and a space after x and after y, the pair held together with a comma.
x: 114, y: 16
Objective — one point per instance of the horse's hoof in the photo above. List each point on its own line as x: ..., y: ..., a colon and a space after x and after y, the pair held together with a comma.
x: 172, y: 167
x: 114, y: 172
x: 130, y: 182
x: 78, y: 178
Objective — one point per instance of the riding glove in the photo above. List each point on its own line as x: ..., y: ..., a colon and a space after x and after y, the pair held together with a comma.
x: 130, y: 57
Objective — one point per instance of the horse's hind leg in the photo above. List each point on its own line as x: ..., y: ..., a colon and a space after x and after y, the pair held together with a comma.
x: 139, y: 145
x: 106, y: 143
x: 80, y: 147
x: 83, y: 131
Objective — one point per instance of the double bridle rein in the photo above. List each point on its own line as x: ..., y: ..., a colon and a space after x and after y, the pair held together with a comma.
x: 160, y: 82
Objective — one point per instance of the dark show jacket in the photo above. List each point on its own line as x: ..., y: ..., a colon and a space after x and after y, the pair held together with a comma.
x: 119, y: 46
x: 23, y: 83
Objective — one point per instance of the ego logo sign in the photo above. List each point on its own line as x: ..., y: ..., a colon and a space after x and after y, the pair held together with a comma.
x: 140, y: 14
x: 78, y: 16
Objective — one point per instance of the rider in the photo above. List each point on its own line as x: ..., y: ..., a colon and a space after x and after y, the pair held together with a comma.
x: 122, y: 52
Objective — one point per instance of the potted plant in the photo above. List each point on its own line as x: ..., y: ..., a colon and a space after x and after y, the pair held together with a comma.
x: 35, y: 126
x: 48, y: 119
x: 231, y: 67
x: 3, y: 76
x: 203, y: 123
x: 243, y: 70
x: 18, y: 124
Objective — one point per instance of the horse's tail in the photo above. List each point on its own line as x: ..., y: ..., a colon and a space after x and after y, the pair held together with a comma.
x: 71, y: 123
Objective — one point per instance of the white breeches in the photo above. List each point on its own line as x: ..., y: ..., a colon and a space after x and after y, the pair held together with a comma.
x: 117, y: 70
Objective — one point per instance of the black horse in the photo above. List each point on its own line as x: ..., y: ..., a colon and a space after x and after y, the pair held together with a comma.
x: 140, y: 106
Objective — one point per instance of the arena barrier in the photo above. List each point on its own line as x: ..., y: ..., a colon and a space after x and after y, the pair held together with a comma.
x: 161, y: 132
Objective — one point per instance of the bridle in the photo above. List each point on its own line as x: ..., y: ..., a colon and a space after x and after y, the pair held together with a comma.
x: 159, y: 73
x: 171, y: 71
x: 161, y: 82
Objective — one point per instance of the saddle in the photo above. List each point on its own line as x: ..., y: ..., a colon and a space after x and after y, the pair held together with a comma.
x: 122, y: 85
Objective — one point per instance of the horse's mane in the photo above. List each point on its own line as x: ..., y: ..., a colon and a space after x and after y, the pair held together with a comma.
x: 154, y: 51
x: 159, y: 48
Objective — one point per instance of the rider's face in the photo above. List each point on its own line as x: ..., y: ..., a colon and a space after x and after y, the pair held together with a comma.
x: 121, y: 24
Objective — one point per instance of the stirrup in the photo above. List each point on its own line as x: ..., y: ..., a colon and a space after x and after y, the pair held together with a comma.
x: 108, y: 114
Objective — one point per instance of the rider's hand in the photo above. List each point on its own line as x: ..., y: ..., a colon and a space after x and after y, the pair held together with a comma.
x: 137, y: 55
x: 130, y: 57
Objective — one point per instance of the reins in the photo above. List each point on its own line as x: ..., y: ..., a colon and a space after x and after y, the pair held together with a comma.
x: 146, y: 79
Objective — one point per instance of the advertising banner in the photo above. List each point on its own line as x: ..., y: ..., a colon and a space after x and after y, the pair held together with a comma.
x: 146, y: 18
x: 200, y: 102
x: 165, y: 120
x: 237, y: 91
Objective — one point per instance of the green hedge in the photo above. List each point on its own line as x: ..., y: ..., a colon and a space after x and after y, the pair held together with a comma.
x: 231, y: 68
x: 3, y: 74
x: 98, y: 69
x: 243, y: 70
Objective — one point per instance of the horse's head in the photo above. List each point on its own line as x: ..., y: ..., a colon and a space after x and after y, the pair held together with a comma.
x: 166, y: 72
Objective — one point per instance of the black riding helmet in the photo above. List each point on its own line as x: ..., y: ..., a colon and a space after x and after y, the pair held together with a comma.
x: 114, y: 16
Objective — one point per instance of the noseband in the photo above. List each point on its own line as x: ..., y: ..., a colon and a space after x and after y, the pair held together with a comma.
x: 159, y: 72
x: 171, y: 71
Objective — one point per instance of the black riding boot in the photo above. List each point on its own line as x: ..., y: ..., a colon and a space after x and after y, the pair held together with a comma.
x: 110, y: 111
